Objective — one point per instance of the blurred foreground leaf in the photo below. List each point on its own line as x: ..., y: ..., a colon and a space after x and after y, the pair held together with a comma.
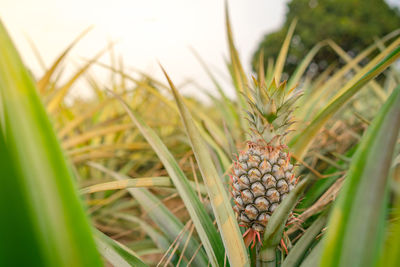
x: 356, y: 225
x: 46, y: 206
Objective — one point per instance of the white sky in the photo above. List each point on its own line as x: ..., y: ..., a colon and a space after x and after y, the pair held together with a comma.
x: 146, y: 31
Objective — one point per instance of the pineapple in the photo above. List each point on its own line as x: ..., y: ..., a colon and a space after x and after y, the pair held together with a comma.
x: 262, y: 176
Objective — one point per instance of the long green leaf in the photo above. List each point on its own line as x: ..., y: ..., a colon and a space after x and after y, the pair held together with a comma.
x: 57, y: 97
x: 204, y: 226
x: 159, y: 213
x: 298, y: 73
x: 300, y: 249
x: 354, y: 234
x: 116, y: 253
x: 239, y: 79
x: 61, y: 230
x: 280, y: 61
x: 226, y: 106
x: 17, y: 234
x: 301, y: 143
x: 223, y: 212
x: 161, y: 241
x: 312, y: 259
x: 391, y: 255
x: 44, y: 81
x: 375, y: 86
x: 127, y: 183
x: 276, y: 224
x: 137, y: 182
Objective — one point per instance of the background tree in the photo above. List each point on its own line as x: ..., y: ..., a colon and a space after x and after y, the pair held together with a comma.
x: 353, y: 24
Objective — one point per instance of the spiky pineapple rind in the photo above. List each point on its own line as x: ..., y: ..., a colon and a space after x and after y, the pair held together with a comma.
x: 262, y: 177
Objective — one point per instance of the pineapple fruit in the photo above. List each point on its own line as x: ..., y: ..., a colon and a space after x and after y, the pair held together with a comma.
x: 262, y: 175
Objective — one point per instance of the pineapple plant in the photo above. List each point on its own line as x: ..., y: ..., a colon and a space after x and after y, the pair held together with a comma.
x: 263, y: 175
x: 198, y: 241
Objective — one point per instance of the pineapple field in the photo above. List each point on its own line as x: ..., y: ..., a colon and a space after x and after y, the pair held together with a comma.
x: 299, y: 170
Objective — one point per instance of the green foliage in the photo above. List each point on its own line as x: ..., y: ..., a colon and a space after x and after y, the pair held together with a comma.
x: 117, y: 253
x: 153, y: 171
x: 358, y: 216
x: 353, y: 24
x: 38, y: 196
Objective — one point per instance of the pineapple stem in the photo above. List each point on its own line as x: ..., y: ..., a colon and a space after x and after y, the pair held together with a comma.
x: 267, y: 257
x: 253, y: 255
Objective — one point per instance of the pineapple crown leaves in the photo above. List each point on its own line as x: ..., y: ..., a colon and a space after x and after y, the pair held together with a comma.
x: 270, y: 110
